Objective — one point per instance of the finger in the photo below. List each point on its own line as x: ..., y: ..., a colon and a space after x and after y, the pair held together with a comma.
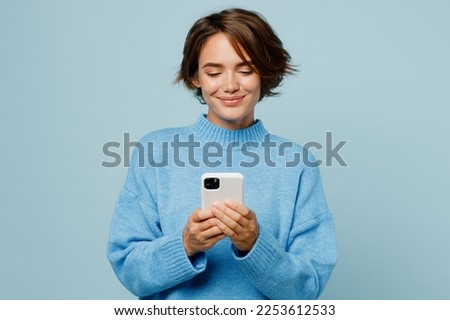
x: 240, y: 208
x: 195, y: 229
x: 209, y: 243
x: 226, y: 230
x: 204, y: 238
x: 219, y: 237
x: 201, y: 215
x: 212, y: 232
x: 227, y: 210
x: 207, y: 224
x: 228, y: 216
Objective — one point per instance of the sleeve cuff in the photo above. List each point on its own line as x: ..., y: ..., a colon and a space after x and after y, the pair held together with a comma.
x: 264, y: 254
x: 179, y: 266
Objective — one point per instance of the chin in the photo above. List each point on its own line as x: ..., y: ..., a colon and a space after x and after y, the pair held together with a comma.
x: 232, y: 115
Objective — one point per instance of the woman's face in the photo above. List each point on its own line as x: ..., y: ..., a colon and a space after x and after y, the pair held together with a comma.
x: 229, y: 87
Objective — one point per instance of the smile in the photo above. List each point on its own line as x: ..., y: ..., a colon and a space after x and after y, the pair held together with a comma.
x: 231, y: 101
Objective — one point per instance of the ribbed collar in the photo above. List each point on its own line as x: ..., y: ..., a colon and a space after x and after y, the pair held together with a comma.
x: 210, y: 132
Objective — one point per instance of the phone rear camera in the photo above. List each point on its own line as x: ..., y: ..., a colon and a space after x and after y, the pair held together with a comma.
x: 211, y: 183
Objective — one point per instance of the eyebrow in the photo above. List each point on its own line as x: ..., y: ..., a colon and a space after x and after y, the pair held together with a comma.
x: 219, y: 65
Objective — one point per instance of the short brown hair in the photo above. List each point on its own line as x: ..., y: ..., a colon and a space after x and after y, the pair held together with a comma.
x: 246, y: 29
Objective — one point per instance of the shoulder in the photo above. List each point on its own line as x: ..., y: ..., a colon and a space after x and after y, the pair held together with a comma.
x: 281, y: 141
x: 166, y: 134
x: 293, y: 153
x: 151, y: 148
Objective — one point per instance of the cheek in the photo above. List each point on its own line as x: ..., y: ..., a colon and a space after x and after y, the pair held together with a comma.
x: 209, y: 85
x: 252, y: 84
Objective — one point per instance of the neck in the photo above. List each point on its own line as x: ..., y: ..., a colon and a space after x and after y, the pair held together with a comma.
x: 212, y: 132
x: 242, y: 123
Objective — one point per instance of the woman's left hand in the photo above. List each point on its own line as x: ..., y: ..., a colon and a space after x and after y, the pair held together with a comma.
x: 237, y: 222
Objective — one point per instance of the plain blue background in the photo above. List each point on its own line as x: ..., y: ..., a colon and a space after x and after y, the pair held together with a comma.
x: 76, y: 74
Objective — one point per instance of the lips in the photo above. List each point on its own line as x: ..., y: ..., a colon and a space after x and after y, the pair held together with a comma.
x: 231, y: 101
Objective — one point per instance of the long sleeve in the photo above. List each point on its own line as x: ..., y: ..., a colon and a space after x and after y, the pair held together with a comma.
x: 301, y: 269
x: 144, y: 259
x: 293, y: 256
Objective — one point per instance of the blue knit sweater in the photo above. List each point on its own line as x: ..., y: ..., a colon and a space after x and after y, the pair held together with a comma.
x: 294, y: 254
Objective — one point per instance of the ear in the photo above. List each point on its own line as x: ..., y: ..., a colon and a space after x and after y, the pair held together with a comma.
x: 195, y: 82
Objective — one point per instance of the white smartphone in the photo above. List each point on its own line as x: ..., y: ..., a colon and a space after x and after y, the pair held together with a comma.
x: 222, y: 186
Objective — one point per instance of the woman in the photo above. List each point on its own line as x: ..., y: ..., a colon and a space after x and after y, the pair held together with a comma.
x: 279, y: 243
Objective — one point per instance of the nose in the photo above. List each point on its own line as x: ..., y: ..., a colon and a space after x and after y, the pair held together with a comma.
x: 230, y: 83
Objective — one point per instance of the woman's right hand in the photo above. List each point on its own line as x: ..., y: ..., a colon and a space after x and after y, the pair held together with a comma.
x: 201, y: 232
